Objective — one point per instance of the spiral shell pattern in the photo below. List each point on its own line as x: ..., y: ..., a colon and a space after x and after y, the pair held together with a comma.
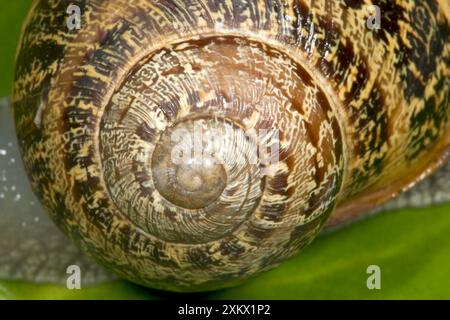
x: 232, y: 98
x: 107, y: 113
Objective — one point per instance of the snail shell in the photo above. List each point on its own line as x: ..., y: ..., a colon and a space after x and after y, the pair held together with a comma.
x: 355, y: 115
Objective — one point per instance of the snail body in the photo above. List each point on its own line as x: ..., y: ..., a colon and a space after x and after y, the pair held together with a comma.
x: 354, y: 123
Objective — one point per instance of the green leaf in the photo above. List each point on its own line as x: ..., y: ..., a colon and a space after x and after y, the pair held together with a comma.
x: 412, y: 248
x: 12, y: 15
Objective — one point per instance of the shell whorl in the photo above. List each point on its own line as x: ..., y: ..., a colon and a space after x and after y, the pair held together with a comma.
x: 269, y: 160
x: 97, y: 110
